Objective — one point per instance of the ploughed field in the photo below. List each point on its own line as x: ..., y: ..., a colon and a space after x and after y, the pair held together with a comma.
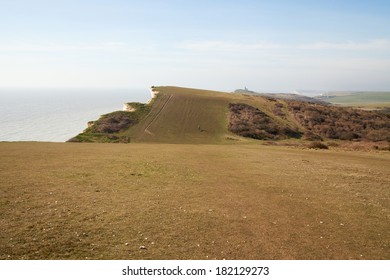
x: 168, y: 201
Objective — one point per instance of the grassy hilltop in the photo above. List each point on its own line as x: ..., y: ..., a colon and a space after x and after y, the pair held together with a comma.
x: 175, y: 115
x: 182, y: 115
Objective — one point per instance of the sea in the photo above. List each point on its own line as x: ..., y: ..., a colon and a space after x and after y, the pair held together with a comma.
x: 56, y: 115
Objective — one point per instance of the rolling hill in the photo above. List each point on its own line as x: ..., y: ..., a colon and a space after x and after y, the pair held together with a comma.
x: 183, y: 115
x: 287, y: 96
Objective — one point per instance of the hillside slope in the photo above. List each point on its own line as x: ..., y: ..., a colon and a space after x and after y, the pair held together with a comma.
x: 176, y: 115
x: 184, y: 115
x: 285, y: 96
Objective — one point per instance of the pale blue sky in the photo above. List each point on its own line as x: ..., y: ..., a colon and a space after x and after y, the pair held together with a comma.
x: 223, y: 45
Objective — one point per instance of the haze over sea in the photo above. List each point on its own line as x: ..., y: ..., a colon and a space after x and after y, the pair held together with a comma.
x: 56, y: 115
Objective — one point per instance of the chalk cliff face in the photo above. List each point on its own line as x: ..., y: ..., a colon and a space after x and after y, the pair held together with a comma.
x: 128, y: 107
x: 132, y: 107
x: 153, y: 92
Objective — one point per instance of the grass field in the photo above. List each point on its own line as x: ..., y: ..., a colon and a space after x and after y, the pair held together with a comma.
x: 187, y: 116
x: 190, y: 116
x: 239, y: 201
x: 369, y: 100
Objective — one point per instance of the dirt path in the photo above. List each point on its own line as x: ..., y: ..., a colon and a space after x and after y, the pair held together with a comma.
x: 157, y: 115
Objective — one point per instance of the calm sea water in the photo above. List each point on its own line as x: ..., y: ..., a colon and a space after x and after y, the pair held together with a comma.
x: 56, y: 115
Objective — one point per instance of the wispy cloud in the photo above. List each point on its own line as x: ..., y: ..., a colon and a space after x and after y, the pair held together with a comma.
x: 201, y: 46
x: 381, y: 44
x: 228, y: 46
x: 62, y: 47
x: 224, y: 46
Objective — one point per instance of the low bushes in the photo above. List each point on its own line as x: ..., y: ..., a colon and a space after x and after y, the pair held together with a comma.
x: 341, y: 123
x: 317, y: 145
x: 248, y: 121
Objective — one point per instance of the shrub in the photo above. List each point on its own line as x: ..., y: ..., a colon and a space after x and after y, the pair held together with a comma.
x: 333, y: 144
x: 249, y: 121
x: 348, y: 135
x: 317, y: 145
x: 340, y: 122
x: 311, y: 136
x: 379, y: 135
x: 113, y: 122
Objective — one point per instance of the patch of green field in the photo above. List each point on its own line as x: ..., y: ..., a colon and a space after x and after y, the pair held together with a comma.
x: 105, y: 201
x: 369, y: 99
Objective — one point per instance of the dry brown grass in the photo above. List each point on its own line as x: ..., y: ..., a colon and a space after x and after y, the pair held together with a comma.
x: 104, y: 201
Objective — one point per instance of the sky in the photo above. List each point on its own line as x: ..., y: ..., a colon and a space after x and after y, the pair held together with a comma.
x: 274, y: 45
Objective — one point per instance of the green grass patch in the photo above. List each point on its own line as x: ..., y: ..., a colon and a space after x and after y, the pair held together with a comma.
x: 369, y: 99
